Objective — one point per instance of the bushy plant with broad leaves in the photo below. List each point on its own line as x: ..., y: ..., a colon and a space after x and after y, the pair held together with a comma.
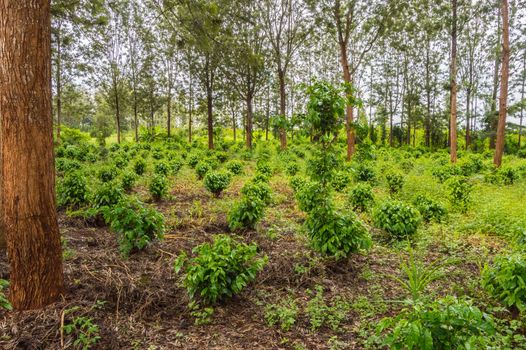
x: 128, y: 181
x: 221, y: 156
x: 395, y: 182
x: 460, y: 192
x: 292, y: 169
x: 235, y: 167
x: 107, y: 173
x: 158, y: 187
x: 161, y: 168
x: 341, y: 180
x: 73, y: 190
x: 264, y: 168
x: 297, y: 183
x: 220, y: 269
x: 361, y: 196
x: 397, y: 218
x: 64, y: 165
x: 444, y: 172
x: 193, y: 159
x: 139, y: 166
x: 201, y: 169
x: 430, y: 209
x: 246, y: 213
x: 505, y: 279
x: 365, y: 172
x: 107, y: 195
x: 508, y: 175
x: 136, y: 225
x: 216, y: 182
x: 259, y: 190
x: 175, y: 166
x: 448, y: 323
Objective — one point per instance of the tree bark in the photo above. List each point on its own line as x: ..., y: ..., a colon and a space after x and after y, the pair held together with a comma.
x: 27, y: 181
x: 190, y: 108
x: 249, y: 122
x: 59, y: 82
x: 453, y: 117
x: 282, y: 107
x: 503, y: 99
x: 522, y: 96
x: 493, y: 116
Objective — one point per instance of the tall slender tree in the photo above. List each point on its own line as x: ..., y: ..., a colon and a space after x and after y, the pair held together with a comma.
x: 27, y: 183
x: 453, y: 82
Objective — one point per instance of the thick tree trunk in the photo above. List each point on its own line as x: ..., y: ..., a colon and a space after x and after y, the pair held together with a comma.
x: 453, y: 72
x: 27, y: 182
x: 282, y: 108
x: 522, y: 96
x: 493, y: 116
x: 503, y: 99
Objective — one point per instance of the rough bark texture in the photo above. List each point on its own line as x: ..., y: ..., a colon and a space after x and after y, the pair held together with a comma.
x: 453, y: 118
x: 27, y: 183
x: 282, y: 107
x: 503, y: 99
x: 59, y: 82
x: 249, y: 122
x: 522, y: 96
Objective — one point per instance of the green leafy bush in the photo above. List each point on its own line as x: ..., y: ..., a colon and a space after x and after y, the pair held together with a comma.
x: 216, y: 182
x: 320, y: 313
x: 292, y: 169
x: 341, y: 180
x: 107, y: 173
x: 162, y: 168
x: 508, y: 175
x: 193, y: 159
x: 430, y: 209
x: 361, y: 197
x: 65, y: 165
x: 158, y: 187
x: 365, y: 172
x: 135, y: 224
x: 395, y: 182
x: 297, y: 183
x: 4, y: 302
x: 235, y: 167
x: 264, y: 168
x: 259, y: 190
x: 220, y: 269
x: 459, y: 192
x: 284, y: 313
x: 128, y: 181
x: 139, y: 166
x: 448, y: 323
x: 246, y: 213
x: 444, y: 172
x: 107, y: 195
x: 202, y: 168
x: 175, y: 166
x: 506, y: 279
x: 73, y: 190
x: 398, y: 219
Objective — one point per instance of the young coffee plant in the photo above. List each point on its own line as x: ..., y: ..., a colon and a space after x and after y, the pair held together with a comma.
x: 128, y: 181
x: 139, y: 166
x: 430, y: 209
x: 158, y: 187
x: 396, y: 218
x: 107, y: 173
x: 322, y: 314
x: 506, y: 279
x: 235, y: 167
x: 162, y: 168
x: 135, y: 224
x: 246, y: 213
x: 220, y: 269
x: 216, y: 182
x: 284, y: 314
x: 395, y: 182
x: 4, y: 302
x: 365, y: 172
x: 175, y: 166
x: 107, y: 195
x: 460, y: 193
x: 202, y: 168
x: 361, y: 197
x: 73, y: 190
x: 259, y: 190
x: 82, y: 328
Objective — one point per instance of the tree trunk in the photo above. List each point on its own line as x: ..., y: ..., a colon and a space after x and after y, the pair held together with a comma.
x: 522, y: 96
x: 135, y: 114
x: 503, y: 100
x: 117, y: 110
x: 249, y: 122
x: 453, y: 117
x: 234, y: 124
x: 59, y: 83
x: 468, y: 117
x: 27, y: 182
x: 493, y: 115
x: 267, y: 114
x: 210, y: 113
x: 282, y: 107
x: 190, y: 108
x: 349, y: 112
x: 169, y: 110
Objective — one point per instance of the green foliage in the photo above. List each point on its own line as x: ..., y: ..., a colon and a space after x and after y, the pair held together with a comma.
x: 506, y: 279
x: 158, y: 187
x: 292, y: 169
x: 235, y: 167
x: 507, y: 175
x: 128, y: 181
x: 361, y: 197
x: 65, y: 165
x: 161, y: 168
x: 246, y: 213
x: 320, y: 313
x: 448, y: 323
x: 398, y: 219
x: 443, y: 173
x: 73, y: 190
x: 341, y: 180
x: 459, y: 193
x: 4, y: 302
x: 258, y: 190
x: 336, y: 234
x: 430, y: 209
x: 395, y: 182
x: 264, y: 169
x: 284, y: 313
x: 139, y: 166
x: 365, y: 172
x: 135, y: 224
x: 86, y: 333
x: 107, y: 173
x: 193, y: 159
x: 216, y: 182
x: 220, y: 269
x: 297, y: 183
x: 175, y: 166
x: 202, y: 168
x: 107, y: 195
